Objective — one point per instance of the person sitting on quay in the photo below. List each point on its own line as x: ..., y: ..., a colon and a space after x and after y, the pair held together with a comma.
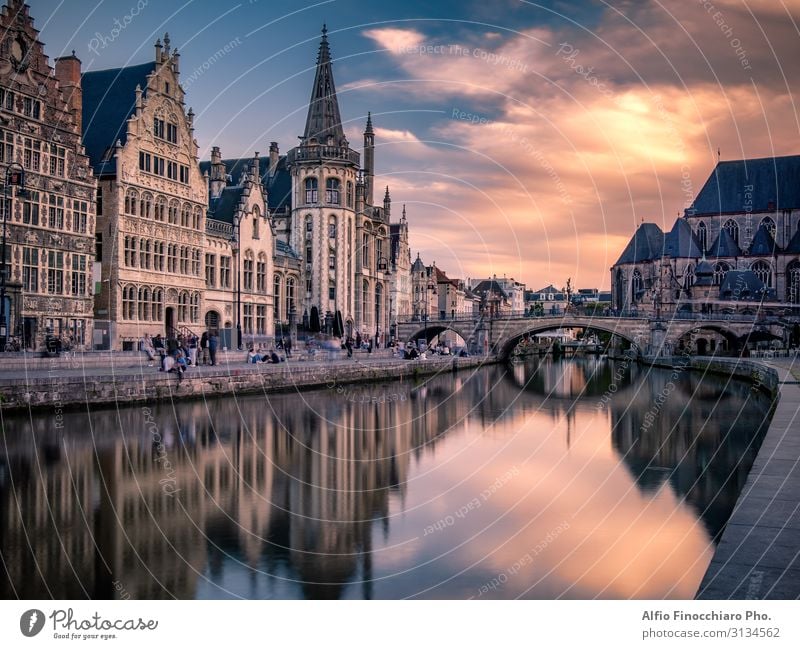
x: 146, y: 345
x: 253, y: 356
x: 273, y: 357
x: 179, y: 365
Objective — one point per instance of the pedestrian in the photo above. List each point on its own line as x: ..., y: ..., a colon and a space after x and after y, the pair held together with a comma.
x: 204, y: 348
x: 369, y: 349
x: 212, y: 348
x: 348, y: 345
x: 287, y: 346
x: 193, y: 350
x: 358, y: 340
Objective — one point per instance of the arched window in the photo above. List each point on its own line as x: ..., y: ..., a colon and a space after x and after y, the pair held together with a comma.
x: 197, y: 219
x: 157, y: 312
x: 129, y: 303
x: 619, y: 282
x: 332, y: 229
x: 720, y: 270
x: 793, y: 282
x: 311, y: 187
x: 332, y: 191
x: 161, y: 209
x: 131, y: 200
x: 290, y: 289
x: 349, y: 193
x: 183, y: 307
x: 186, y: 215
x: 378, y: 305
x: 763, y: 271
x: 134, y: 243
x: 276, y: 289
x: 637, y: 285
x: 195, y: 310
x: 769, y: 224
x: 144, y: 304
x: 702, y: 236
x: 158, y: 256
x: 144, y: 254
x: 365, y: 303
x: 688, y: 277
x: 256, y: 224
x: 247, y: 269
x: 146, y: 206
x: 732, y: 228
x: 261, y: 273
x: 173, y: 212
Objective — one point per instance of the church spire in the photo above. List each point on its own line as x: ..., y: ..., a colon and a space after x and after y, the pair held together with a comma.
x: 323, y: 119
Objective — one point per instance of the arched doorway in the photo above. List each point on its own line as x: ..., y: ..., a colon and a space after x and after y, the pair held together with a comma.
x: 702, y: 346
x: 169, y: 320
x: 212, y: 321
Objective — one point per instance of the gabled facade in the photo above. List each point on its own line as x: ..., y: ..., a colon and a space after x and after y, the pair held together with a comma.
x: 152, y: 200
x: 50, y: 226
x: 401, y: 291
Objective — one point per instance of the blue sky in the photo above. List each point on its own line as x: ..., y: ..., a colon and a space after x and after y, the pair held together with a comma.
x: 531, y: 143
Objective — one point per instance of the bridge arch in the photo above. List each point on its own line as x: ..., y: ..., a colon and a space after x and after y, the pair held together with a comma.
x: 434, y: 329
x: 730, y: 335
x: 505, y: 345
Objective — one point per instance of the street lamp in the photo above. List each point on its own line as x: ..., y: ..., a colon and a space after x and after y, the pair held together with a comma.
x: 430, y: 288
x: 235, y: 250
x: 15, y: 176
x: 383, y: 267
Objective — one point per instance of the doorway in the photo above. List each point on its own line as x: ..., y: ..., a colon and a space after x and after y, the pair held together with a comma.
x: 169, y: 320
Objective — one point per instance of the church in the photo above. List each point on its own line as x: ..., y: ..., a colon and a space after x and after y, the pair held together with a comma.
x: 735, y: 250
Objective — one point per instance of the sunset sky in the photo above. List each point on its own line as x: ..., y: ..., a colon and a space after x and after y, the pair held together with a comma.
x: 526, y: 139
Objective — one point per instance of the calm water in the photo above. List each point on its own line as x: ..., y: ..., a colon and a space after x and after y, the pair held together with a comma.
x: 573, y: 479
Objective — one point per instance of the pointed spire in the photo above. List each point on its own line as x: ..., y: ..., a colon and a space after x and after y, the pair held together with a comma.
x: 323, y: 118
x: 369, y: 123
x: 386, y: 196
x: 404, y: 212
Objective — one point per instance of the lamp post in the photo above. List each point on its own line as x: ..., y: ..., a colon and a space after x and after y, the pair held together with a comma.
x: 430, y: 288
x: 15, y: 176
x: 235, y: 250
x: 383, y: 267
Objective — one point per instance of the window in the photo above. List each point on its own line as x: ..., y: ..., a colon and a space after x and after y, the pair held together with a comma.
x: 183, y: 307
x: 255, y: 226
x: 248, y: 318
x: 308, y: 286
x: 732, y: 228
x: 57, y: 160
x: 161, y: 208
x: 31, y: 108
x: 157, y: 311
x: 763, y: 271
x: 688, y: 278
x: 769, y: 224
x: 30, y: 270
x: 80, y: 216
x: 184, y: 260
x: 158, y: 255
x: 332, y: 189
x: 702, y: 235
x: 365, y: 302
x: 31, y: 154
x: 290, y: 306
x: 30, y: 209
x: 99, y: 202
x: 349, y: 194
x: 637, y: 285
x: 261, y: 275
x: 6, y: 99
x: 129, y: 303
x: 55, y: 272
x: 146, y: 206
x: 172, y: 170
x: 173, y: 213
x: 332, y: 261
x: 276, y: 289
x: 55, y: 212
x: 379, y: 254
x: 184, y: 174
x: 261, y: 320
x: 78, y: 274
x: 172, y: 258
x: 172, y: 133
x: 311, y: 190
x: 211, y: 269
x: 6, y: 146
x: 224, y: 272
x: 365, y: 250
x: 720, y: 270
x: 145, y: 161
x: 332, y: 229
x: 130, y: 203
x: 793, y: 282
x: 145, y: 254
x: 197, y: 218
x: 144, y: 304
x: 331, y: 292
x: 186, y: 215
x: 98, y: 247
x: 309, y: 255
x: 194, y: 313
x: 247, y: 268
x: 158, y: 127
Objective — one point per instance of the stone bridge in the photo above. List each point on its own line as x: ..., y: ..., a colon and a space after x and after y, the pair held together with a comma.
x: 648, y: 336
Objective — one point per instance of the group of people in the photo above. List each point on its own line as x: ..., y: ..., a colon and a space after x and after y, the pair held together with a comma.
x: 270, y: 356
x: 177, y: 353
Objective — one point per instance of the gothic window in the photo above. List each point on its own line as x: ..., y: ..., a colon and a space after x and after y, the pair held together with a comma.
x: 276, y: 289
x: 261, y: 274
x: 793, y: 282
x: 637, y: 285
x: 763, y: 271
x: 183, y: 307
x: 365, y: 302
x: 332, y: 190
x: 290, y: 290
x: 720, y: 270
x: 195, y: 308
x: 311, y: 190
x: 248, y: 270
x: 256, y: 216
x: 131, y: 199
x: 157, y: 311
x: 702, y: 236
x: 732, y: 229
x: 144, y: 304
x: 688, y: 278
x: 769, y: 224
x: 378, y: 304
x: 186, y: 215
x: 146, y: 206
x: 161, y: 209
x: 129, y: 303
x: 332, y: 228
x: 349, y: 193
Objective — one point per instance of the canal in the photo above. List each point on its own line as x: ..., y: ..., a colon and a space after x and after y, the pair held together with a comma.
x: 580, y: 478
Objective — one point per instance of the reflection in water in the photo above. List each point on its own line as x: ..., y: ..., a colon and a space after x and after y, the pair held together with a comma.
x: 545, y: 479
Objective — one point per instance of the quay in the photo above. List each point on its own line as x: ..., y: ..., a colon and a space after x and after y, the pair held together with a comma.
x: 120, y: 378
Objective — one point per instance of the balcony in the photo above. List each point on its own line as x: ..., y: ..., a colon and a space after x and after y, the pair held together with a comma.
x: 319, y: 152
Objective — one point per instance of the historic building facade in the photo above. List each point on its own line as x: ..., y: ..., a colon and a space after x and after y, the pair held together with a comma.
x: 735, y: 250
x: 400, y: 297
x: 49, y: 222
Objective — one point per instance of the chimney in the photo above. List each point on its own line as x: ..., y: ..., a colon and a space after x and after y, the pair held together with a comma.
x: 158, y: 50
x: 68, y: 73
x: 255, y: 171
x: 176, y: 62
x: 274, y: 154
x: 217, y: 178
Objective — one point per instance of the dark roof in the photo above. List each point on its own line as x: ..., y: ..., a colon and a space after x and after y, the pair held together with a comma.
x: 489, y: 286
x: 744, y: 285
x: 417, y: 266
x: 724, y: 246
x: 225, y: 205
x: 323, y: 119
x: 109, y: 99
x: 704, y: 273
x: 283, y: 248
x: 279, y: 187
x: 646, y: 244
x: 775, y: 186
x: 681, y: 242
x: 794, y: 245
x: 763, y: 243
x: 548, y: 289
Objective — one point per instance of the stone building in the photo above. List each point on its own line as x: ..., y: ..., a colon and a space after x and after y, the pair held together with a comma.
x: 735, y: 250
x: 49, y: 224
x: 151, y: 200
x: 400, y: 295
x: 239, y: 253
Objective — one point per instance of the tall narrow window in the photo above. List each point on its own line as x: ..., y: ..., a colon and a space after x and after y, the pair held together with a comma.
x: 332, y: 190
x: 732, y: 228
x: 30, y: 270
x: 311, y: 190
x: 276, y: 289
x: 55, y: 272
x: 211, y: 270
x: 80, y: 216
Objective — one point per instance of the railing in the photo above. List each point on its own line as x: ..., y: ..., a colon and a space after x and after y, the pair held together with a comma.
x: 174, y: 332
x: 323, y: 152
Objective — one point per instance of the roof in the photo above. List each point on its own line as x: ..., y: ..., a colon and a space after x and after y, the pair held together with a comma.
x: 283, y: 248
x: 417, y: 266
x: 704, y: 273
x: 548, y: 289
x: 323, y: 119
x: 763, y: 243
x: 489, y: 286
x: 646, y: 244
x: 794, y: 244
x: 724, y: 246
x: 744, y: 285
x: 109, y: 99
x: 226, y: 204
x: 681, y: 242
x: 760, y: 185
x: 279, y: 186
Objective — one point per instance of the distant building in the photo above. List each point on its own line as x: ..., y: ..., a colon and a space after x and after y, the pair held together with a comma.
x: 744, y: 221
x: 400, y: 297
x: 546, y: 301
x: 50, y: 227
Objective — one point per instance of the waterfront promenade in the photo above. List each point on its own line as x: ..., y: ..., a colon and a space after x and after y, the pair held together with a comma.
x: 758, y: 556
